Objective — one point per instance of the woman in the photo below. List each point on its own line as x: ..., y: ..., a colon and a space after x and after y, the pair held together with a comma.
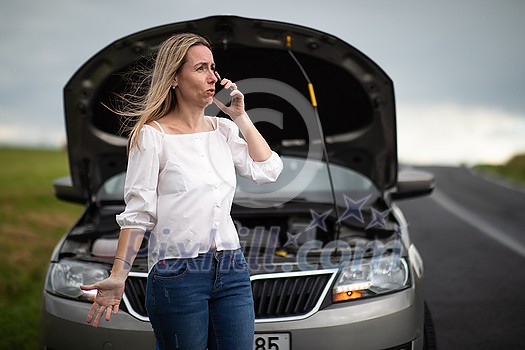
x: 180, y: 184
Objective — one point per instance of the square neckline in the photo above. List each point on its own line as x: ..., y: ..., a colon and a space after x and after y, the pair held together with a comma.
x: 215, y: 125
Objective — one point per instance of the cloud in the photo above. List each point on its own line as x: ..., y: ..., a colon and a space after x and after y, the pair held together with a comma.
x: 29, y: 132
x: 451, y: 134
x: 461, y: 61
x: 24, y: 136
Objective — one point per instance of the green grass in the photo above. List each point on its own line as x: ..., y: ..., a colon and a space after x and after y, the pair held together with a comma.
x: 513, y: 170
x: 32, y: 221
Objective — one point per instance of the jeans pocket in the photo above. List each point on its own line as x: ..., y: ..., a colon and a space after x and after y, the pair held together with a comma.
x: 170, y: 269
x: 239, y: 262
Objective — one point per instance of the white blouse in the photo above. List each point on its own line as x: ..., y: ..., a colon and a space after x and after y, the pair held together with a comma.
x: 181, y: 187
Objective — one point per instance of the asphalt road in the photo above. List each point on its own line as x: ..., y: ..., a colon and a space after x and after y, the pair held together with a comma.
x: 471, y: 234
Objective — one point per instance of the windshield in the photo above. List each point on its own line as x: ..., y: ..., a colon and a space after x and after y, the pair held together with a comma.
x: 300, y: 179
x: 303, y: 179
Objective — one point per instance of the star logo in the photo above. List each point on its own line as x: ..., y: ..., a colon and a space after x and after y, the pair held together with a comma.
x: 292, y: 239
x: 378, y: 218
x: 319, y: 220
x: 354, y: 208
x: 398, y: 231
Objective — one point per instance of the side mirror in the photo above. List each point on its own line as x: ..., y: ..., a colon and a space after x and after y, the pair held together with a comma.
x: 413, y: 183
x: 64, y: 190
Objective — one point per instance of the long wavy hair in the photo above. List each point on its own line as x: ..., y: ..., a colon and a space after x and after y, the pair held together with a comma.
x: 159, y: 97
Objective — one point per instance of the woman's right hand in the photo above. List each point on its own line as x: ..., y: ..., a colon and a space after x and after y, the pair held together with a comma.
x: 236, y: 108
x: 107, y: 300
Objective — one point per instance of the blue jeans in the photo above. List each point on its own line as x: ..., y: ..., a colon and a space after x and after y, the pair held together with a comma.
x: 202, y: 302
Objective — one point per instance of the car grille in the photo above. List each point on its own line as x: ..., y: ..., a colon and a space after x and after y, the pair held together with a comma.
x: 136, y: 294
x: 287, y: 296
x: 281, y: 295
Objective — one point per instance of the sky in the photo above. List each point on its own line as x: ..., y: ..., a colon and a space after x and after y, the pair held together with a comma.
x: 457, y: 66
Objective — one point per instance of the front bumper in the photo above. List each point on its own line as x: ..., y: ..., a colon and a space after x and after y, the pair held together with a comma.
x: 379, y: 323
x: 64, y: 327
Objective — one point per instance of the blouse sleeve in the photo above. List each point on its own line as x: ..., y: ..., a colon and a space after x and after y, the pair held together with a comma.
x: 260, y: 172
x: 140, y: 189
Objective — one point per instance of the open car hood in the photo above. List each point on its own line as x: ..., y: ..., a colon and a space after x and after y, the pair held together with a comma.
x: 355, y: 97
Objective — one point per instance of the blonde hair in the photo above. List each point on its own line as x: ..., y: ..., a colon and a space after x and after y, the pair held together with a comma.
x: 159, y: 98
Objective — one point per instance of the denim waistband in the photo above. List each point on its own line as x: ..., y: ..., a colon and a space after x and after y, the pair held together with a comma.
x: 214, y: 251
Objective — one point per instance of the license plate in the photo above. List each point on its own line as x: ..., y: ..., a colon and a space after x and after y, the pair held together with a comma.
x: 271, y: 341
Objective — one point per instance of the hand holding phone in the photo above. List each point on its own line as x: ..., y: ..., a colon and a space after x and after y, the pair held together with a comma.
x: 235, y: 107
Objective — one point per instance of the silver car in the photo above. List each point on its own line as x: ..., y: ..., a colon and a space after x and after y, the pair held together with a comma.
x: 331, y: 260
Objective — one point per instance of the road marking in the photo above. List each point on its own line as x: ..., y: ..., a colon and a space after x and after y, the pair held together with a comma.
x: 480, y: 224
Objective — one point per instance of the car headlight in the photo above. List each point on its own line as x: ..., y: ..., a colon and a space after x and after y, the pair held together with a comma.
x: 371, y: 277
x: 65, y: 278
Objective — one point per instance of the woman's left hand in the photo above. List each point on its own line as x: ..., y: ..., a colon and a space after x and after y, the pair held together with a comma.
x: 236, y: 107
x: 107, y: 301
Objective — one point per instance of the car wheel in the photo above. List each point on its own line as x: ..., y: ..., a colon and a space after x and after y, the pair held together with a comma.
x: 430, y: 342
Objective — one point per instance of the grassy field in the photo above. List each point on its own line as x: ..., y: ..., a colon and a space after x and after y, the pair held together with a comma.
x: 31, y: 223
x: 513, y: 170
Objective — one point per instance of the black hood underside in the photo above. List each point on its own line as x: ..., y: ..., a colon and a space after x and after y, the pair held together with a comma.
x: 355, y: 97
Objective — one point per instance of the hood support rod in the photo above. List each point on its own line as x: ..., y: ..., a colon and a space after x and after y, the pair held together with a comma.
x: 323, y: 142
